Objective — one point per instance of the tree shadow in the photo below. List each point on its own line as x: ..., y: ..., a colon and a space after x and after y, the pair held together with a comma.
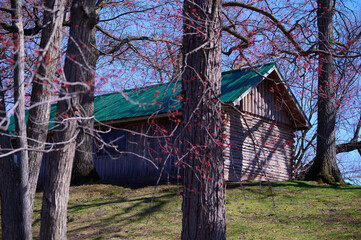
x: 138, y: 209
x: 255, y: 152
x: 295, y: 184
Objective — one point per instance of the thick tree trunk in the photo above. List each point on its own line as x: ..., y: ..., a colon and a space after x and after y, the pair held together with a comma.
x: 83, y: 167
x: 70, y: 112
x: 10, y: 190
x: 325, y: 167
x: 10, y: 193
x: 203, y: 182
x: 42, y: 88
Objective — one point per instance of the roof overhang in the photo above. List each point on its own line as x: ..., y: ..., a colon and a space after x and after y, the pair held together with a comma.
x: 136, y: 119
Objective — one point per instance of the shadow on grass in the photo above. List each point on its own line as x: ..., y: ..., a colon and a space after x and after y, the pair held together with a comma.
x: 133, y: 186
x: 136, y: 210
x: 123, y: 213
x: 296, y: 184
x: 80, y: 207
x: 263, y: 190
x: 311, y: 184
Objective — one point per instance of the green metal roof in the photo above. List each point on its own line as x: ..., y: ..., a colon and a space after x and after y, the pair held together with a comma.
x: 138, y: 102
x: 166, y: 97
x: 163, y: 98
x: 237, y: 82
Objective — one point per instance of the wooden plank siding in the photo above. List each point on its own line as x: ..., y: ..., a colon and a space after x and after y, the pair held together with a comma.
x: 146, y: 144
x: 269, y: 155
x: 269, y: 152
x: 262, y: 101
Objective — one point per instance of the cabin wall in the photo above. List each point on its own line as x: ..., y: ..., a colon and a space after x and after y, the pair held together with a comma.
x: 263, y: 101
x: 147, y: 154
x: 256, y: 148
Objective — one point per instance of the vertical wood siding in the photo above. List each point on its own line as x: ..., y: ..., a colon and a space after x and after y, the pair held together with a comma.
x: 158, y: 148
x: 262, y: 101
x: 270, y: 157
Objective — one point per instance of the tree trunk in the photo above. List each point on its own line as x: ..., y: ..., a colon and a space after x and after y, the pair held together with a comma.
x: 83, y: 167
x: 42, y: 90
x: 324, y: 168
x: 10, y: 190
x: 70, y: 112
x: 10, y: 193
x: 20, y: 122
x: 203, y: 181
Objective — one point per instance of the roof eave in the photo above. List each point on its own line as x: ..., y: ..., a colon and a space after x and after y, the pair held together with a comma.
x: 306, y: 124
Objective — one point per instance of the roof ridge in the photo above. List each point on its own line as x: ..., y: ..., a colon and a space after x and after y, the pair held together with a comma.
x: 165, y: 83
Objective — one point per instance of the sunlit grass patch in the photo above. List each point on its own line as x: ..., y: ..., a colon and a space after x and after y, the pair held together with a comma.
x: 282, y: 210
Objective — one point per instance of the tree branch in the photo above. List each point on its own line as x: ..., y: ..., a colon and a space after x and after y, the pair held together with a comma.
x: 6, y: 10
x: 357, y: 131
x: 126, y: 13
x: 237, y: 35
x: 290, y: 37
x: 272, y: 18
x: 353, y: 144
x: 123, y: 41
x: 348, y: 147
x: 27, y: 32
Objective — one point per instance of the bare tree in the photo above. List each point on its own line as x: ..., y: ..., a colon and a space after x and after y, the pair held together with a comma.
x: 83, y: 167
x: 70, y: 114
x: 290, y: 37
x: 203, y: 183
x: 36, y: 132
x: 42, y: 88
x: 20, y: 121
x: 76, y: 99
x: 17, y: 227
x: 325, y: 167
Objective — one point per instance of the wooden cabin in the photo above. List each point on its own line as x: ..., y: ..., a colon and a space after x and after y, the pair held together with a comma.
x: 260, y: 125
x: 260, y: 117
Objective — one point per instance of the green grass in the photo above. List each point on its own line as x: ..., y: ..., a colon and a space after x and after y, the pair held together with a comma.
x: 292, y: 210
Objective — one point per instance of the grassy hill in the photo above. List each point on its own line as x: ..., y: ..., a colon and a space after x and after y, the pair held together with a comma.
x: 284, y: 210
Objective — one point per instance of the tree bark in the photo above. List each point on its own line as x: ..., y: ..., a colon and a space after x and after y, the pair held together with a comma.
x: 20, y: 125
x: 83, y: 167
x: 324, y: 168
x: 42, y: 88
x: 10, y: 190
x: 203, y: 180
x: 56, y: 193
